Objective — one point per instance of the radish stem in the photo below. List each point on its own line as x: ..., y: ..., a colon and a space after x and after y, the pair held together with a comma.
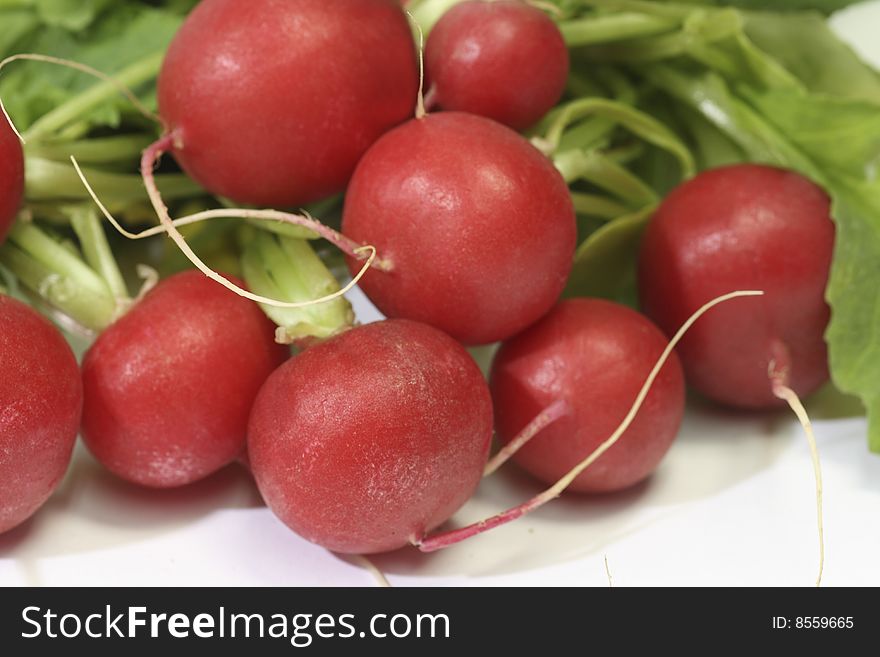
x: 604, y: 172
x: 288, y: 269
x: 97, y: 253
x: 148, y: 161
x: 100, y: 150
x: 602, y: 29
x: 47, y: 180
x: 85, y: 309
x: 340, y: 241
x: 47, y: 251
x: 595, y: 205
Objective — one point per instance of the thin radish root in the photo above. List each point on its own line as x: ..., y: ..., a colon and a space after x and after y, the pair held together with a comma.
x: 546, y: 417
x: 446, y: 539
x: 83, y: 68
x: 779, y: 380
x: 608, y: 574
x: 169, y: 226
x: 420, y: 99
x: 148, y: 161
x: 370, y: 567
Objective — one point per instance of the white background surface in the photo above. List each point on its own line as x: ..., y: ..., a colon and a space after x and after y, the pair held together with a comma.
x: 732, y: 504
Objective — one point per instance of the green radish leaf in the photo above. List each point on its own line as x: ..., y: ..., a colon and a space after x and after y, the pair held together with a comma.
x: 121, y: 35
x: 605, y: 263
x: 835, y: 133
x: 709, y: 94
x: 854, y: 333
x: 18, y: 24
x: 825, y: 6
x: 684, y: 7
x: 633, y: 120
x: 806, y: 46
x: 70, y: 14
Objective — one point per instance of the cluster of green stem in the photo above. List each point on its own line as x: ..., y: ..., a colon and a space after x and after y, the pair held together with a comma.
x: 58, y: 250
x: 288, y: 269
x: 82, y: 281
x: 86, y: 287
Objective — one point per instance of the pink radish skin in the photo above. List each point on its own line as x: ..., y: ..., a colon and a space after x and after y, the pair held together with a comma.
x: 476, y: 223
x: 740, y: 227
x: 11, y: 177
x: 273, y: 102
x: 169, y: 386
x: 372, y: 438
x: 593, y: 355
x: 503, y: 60
x: 40, y: 403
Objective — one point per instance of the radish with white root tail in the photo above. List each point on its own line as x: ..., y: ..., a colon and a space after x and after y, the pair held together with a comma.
x: 371, y: 438
x: 739, y: 226
x: 11, y: 176
x: 368, y: 441
x: 273, y: 102
x: 169, y: 386
x: 477, y: 225
x: 592, y: 356
x: 431, y: 543
x: 40, y: 402
x: 505, y: 60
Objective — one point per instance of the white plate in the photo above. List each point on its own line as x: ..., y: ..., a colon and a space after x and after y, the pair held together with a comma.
x: 731, y: 504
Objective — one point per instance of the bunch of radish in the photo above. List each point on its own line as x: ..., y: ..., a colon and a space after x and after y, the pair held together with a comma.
x: 462, y: 233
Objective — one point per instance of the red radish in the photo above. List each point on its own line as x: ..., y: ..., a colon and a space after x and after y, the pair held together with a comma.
x: 594, y: 355
x: 554, y: 413
x: 372, y: 438
x: 735, y: 227
x: 273, y: 102
x: 505, y: 60
x: 40, y: 402
x: 11, y: 176
x: 477, y: 225
x: 168, y: 387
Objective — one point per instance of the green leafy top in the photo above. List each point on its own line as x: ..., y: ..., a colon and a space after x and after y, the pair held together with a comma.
x: 106, y: 35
